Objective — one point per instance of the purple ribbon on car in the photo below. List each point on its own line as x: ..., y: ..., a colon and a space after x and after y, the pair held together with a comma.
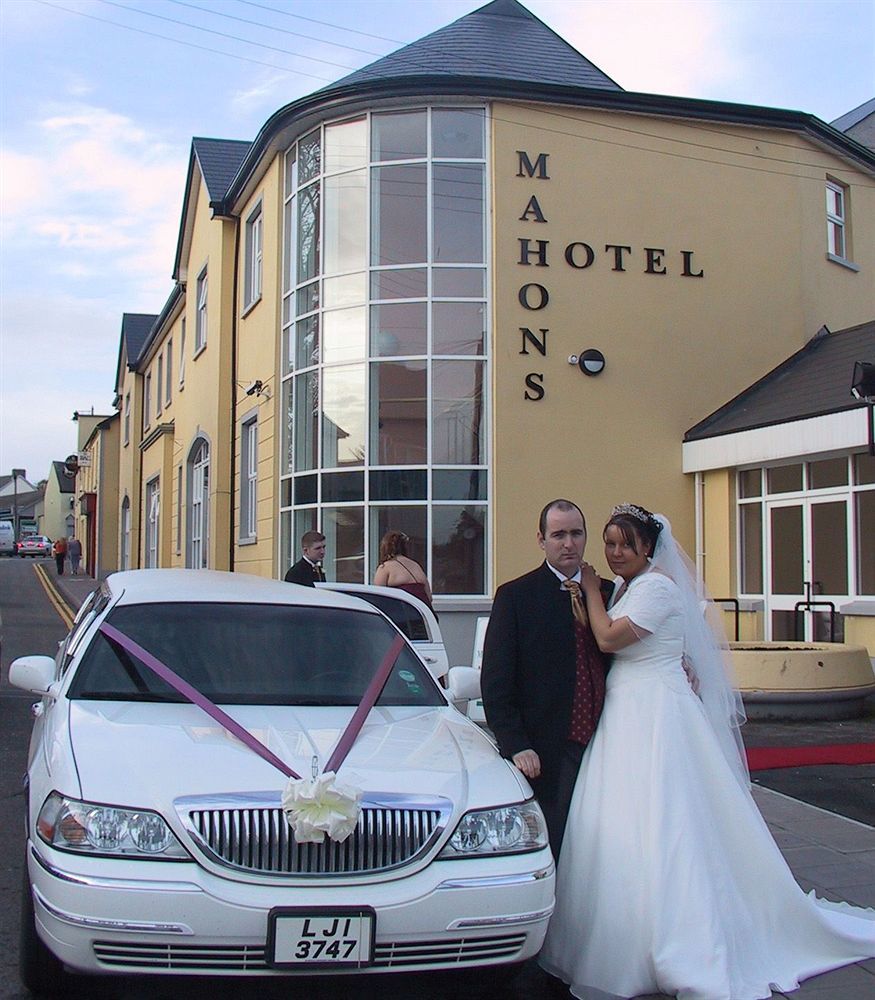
x: 344, y: 744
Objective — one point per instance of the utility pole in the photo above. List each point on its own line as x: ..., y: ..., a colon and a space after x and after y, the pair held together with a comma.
x: 15, y: 474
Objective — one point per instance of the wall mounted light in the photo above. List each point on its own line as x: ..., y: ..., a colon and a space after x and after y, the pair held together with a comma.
x: 590, y: 361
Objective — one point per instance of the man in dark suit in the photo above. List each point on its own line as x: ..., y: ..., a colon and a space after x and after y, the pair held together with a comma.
x: 543, y: 676
x: 308, y: 569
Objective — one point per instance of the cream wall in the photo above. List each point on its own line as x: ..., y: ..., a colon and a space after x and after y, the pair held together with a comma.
x: 129, y: 478
x: 101, y: 477
x: 259, y: 357
x: 676, y: 346
x: 56, y: 508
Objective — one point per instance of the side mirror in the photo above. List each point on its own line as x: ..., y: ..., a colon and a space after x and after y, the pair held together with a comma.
x: 32, y: 673
x: 464, y: 683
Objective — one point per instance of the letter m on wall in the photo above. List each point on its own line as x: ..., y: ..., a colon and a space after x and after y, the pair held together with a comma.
x: 526, y: 167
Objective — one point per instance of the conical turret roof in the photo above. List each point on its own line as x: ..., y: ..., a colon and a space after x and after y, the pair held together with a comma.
x: 502, y: 40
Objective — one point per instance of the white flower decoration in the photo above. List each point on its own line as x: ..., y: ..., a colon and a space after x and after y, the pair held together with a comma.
x: 319, y: 806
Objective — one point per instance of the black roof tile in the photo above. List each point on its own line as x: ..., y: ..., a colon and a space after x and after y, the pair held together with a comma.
x: 814, y: 381
x: 219, y: 161
x: 135, y: 332
x: 502, y: 40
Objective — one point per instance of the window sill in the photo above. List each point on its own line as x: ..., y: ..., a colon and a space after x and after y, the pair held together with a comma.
x: 198, y: 352
x: 861, y: 608
x: 247, y: 309
x: 842, y: 262
x: 249, y: 540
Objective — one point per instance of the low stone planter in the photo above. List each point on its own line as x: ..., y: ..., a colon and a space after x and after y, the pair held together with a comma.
x: 802, y: 680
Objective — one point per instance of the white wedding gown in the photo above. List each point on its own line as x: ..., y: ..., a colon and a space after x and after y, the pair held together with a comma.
x: 669, y: 880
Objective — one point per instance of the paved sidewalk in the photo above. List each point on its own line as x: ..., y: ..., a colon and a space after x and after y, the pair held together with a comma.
x: 833, y: 855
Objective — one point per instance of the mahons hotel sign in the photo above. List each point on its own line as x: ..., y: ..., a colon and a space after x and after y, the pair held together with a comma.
x: 580, y: 255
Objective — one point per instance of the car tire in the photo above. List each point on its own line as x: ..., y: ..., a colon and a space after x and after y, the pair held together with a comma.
x: 39, y: 970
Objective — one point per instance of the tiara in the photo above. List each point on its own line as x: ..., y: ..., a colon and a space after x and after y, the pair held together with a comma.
x: 638, y: 513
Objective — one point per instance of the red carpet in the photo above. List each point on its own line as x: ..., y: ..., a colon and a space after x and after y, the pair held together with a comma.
x: 766, y: 758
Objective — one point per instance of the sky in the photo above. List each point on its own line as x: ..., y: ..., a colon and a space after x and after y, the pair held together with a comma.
x: 99, y: 101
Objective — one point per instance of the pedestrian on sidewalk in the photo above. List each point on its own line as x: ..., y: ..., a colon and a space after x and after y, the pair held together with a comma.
x: 74, y: 551
x: 59, y: 551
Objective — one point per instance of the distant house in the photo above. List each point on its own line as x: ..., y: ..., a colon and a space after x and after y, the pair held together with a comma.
x: 58, y: 516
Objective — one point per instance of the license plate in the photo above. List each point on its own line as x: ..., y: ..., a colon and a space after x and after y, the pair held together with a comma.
x: 317, y: 937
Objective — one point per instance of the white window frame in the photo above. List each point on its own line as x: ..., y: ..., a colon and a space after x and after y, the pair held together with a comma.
x: 199, y: 505
x: 254, y: 263
x: 125, y: 559
x: 249, y: 478
x: 153, y: 519
x: 159, y: 383
x: 127, y: 419
x: 836, y: 222
x: 182, y: 354
x: 168, y: 384
x: 200, y: 328
x: 147, y: 401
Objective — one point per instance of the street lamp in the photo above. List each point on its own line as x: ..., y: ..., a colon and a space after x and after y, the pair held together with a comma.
x: 15, y: 474
x: 863, y: 387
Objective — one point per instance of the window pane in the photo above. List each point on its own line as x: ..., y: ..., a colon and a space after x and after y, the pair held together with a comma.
x: 398, y: 408
x: 309, y: 157
x: 287, y: 424
x: 784, y: 479
x: 831, y: 472
x: 306, y: 420
x: 458, y: 550
x: 343, y: 417
x: 343, y: 336
x: 457, y: 132
x: 345, y: 222
x: 829, y: 548
x: 305, y: 520
x: 458, y: 328
x: 412, y: 521
x: 398, y: 484
x: 457, y: 412
x: 751, y: 548
x: 307, y: 299
x: 290, y: 243
x: 398, y: 329
x: 346, y: 145
x: 286, y: 493
x: 784, y: 626
x: 864, y: 468
x: 291, y: 173
x: 459, y: 484
x: 350, y: 290
x: 307, y: 341
x: 306, y: 489
x: 308, y: 233
x: 458, y: 282
x: 786, y: 550
x: 344, y: 530
x: 750, y: 483
x: 401, y: 283
x: 864, y: 533
x: 399, y: 136
x: 342, y: 487
x: 458, y: 213
x: 398, y: 215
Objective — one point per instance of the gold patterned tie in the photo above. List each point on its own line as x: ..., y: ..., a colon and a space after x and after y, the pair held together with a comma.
x: 577, y: 606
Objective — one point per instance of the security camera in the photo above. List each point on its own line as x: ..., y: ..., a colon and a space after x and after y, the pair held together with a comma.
x: 254, y: 388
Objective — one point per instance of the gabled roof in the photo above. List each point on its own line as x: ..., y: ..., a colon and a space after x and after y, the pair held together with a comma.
x: 66, y: 484
x: 502, y: 40
x: 814, y: 381
x: 219, y: 160
x: 135, y: 332
x: 854, y: 117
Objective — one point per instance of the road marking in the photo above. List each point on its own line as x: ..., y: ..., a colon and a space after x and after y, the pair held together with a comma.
x: 55, y: 599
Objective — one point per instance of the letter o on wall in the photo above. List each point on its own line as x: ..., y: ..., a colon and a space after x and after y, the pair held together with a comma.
x: 541, y: 295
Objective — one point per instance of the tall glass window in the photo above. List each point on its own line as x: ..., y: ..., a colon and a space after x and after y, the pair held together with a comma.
x: 199, y: 506
x: 384, y: 343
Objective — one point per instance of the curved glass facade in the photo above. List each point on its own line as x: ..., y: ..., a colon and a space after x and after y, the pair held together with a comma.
x: 384, y: 343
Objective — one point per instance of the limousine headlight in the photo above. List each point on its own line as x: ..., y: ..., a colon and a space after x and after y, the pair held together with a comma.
x: 92, y: 828
x: 506, y: 830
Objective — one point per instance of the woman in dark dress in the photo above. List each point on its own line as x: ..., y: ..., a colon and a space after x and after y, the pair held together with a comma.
x: 397, y: 569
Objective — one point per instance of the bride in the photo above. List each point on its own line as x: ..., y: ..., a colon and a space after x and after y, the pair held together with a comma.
x: 669, y: 879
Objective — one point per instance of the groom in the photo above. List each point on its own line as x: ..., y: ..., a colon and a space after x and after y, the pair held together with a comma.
x: 543, y: 676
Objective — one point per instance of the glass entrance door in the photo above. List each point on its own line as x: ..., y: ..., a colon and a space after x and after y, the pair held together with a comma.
x: 807, y: 561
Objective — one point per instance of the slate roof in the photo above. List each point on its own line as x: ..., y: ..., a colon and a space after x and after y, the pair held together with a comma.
x: 66, y: 484
x: 502, y: 40
x: 135, y: 332
x: 854, y: 117
x: 814, y: 381
x: 219, y: 161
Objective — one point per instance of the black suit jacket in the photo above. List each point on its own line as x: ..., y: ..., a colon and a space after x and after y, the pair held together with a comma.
x: 529, y: 669
x: 302, y: 572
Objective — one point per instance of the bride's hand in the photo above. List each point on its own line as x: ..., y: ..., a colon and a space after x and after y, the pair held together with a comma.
x: 589, y: 579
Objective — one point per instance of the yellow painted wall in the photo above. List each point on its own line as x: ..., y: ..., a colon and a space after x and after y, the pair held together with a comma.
x: 860, y: 631
x: 129, y: 479
x: 676, y: 347
x: 56, y: 508
x: 259, y: 357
